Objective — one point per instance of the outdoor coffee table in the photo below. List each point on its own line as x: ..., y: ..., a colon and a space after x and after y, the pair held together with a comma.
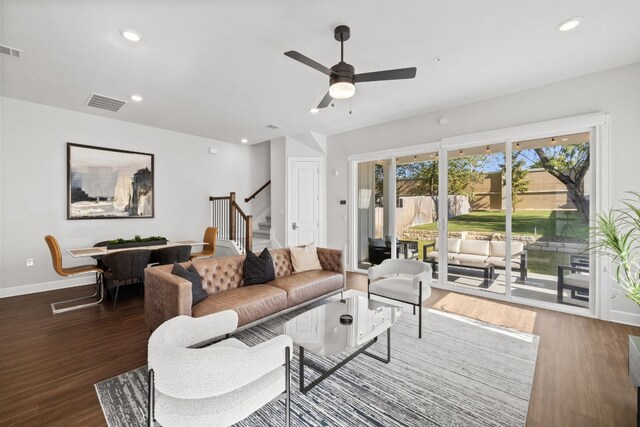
x: 487, y: 268
x: 320, y: 332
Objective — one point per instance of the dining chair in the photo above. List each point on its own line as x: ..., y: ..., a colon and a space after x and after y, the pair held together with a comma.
x: 125, y: 268
x: 209, y: 250
x: 170, y: 255
x: 56, y: 259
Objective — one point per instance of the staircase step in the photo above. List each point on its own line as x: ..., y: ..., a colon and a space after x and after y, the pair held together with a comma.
x: 268, y: 218
x: 264, y: 226
x: 260, y: 244
x: 261, y: 234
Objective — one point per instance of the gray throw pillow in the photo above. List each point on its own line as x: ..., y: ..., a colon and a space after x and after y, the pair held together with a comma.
x: 191, y: 274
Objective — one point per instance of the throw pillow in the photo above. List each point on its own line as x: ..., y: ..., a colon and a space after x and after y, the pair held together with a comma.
x: 197, y: 292
x: 258, y: 269
x: 305, y: 258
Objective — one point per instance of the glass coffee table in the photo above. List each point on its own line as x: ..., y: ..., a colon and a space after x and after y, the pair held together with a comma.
x: 321, y: 331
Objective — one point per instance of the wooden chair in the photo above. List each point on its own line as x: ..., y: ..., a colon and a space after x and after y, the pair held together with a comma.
x: 209, y: 250
x: 125, y: 268
x: 56, y: 258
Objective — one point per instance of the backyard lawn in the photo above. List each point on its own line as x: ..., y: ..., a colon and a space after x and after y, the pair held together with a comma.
x: 548, y: 225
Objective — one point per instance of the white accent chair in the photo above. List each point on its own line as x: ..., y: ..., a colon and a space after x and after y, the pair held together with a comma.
x: 216, y: 385
x: 403, y: 280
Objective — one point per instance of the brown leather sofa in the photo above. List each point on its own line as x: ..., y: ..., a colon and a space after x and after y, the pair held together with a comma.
x: 167, y: 295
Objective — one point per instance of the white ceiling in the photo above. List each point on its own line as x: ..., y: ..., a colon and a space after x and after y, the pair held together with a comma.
x: 217, y: 68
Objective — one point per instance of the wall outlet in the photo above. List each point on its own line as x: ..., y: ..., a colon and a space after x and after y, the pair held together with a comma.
x: 29, y: 262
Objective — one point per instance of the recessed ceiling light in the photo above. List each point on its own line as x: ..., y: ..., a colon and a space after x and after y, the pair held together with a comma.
x: 244, y: 140
x: 438, y: 59
x: 565, y: 139
x: 313, y: 110
x: 136, y: 98
x: 131, y: 35
x: 569, y: 24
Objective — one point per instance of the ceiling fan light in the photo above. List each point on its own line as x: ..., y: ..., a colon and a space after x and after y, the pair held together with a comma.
x: 342, y: 90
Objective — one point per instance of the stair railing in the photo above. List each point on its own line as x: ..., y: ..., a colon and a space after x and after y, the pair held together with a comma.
x: 233, y: 224
x: 258, y: 191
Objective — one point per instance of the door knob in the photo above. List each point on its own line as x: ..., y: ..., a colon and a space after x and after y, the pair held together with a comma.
x: 294, y: 226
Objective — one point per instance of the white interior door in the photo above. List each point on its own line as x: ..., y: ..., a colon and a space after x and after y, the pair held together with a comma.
x: 304, y: 201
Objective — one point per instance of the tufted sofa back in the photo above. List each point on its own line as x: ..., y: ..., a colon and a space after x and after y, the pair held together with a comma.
x: 222, y: 274
x: 282, y: 262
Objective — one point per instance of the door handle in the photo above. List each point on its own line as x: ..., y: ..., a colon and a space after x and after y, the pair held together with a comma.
x: 294, y: 226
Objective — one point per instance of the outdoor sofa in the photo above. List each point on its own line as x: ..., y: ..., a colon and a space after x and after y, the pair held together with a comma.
x: 489, y: 251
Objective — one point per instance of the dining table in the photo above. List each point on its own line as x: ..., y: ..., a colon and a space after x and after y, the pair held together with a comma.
x: 98, y: 251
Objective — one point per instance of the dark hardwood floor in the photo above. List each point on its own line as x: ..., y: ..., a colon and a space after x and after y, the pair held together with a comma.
x: 49, y: 364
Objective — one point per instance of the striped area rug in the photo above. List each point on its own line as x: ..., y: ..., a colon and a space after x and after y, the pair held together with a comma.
x: 462, y: 372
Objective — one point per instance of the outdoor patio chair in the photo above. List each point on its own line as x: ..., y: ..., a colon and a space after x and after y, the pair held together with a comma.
x: 576, y: 281
x: 409, y: 248
x: 378, y: 251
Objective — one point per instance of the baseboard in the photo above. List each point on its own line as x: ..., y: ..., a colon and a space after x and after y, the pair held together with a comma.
x: 47, y: 286
x: 632, y: 319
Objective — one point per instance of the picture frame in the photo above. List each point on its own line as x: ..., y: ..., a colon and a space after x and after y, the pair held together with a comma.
x: 108, y: 183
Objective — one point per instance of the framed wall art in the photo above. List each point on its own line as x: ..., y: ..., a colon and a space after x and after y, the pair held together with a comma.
x: 105, y: 183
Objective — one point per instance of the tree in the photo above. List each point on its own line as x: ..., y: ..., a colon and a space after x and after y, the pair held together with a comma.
x: 569, y: 164
x: 519, y: 181
x: 405, y: 171
x: 465, y: 173
x: 428, y: 179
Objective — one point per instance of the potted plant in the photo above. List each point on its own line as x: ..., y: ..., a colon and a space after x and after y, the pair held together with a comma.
x: 617, y: 235
x: 137, y: 241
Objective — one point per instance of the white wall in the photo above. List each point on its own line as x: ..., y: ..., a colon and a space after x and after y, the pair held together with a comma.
x: 615, y: 91
x: 282, y: 149
x: 278, y: 191
x: 258, y: 173
x: 33, y: 186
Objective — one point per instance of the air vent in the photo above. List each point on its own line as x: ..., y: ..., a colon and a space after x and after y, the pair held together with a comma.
x: 6, y: 50
x: 105, y: 103
x: 272, y: 127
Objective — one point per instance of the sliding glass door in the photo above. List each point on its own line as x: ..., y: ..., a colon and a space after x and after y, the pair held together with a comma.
x: 507, y: 219
x: 551, y: 215
x: 375, y: 212
x: 476, y: 227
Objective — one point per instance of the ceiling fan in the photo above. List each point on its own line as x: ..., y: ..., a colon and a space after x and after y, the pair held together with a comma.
x: 342, y: 76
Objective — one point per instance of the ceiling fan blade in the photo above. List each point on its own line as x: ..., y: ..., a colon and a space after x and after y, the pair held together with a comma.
x: 308, y: 61
x: 325, y: 101
x: 398, y: 74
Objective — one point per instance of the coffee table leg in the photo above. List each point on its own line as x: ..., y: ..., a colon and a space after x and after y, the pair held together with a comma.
x: 302, y: 369
x: 388, y: 359
x: 324, y: 374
